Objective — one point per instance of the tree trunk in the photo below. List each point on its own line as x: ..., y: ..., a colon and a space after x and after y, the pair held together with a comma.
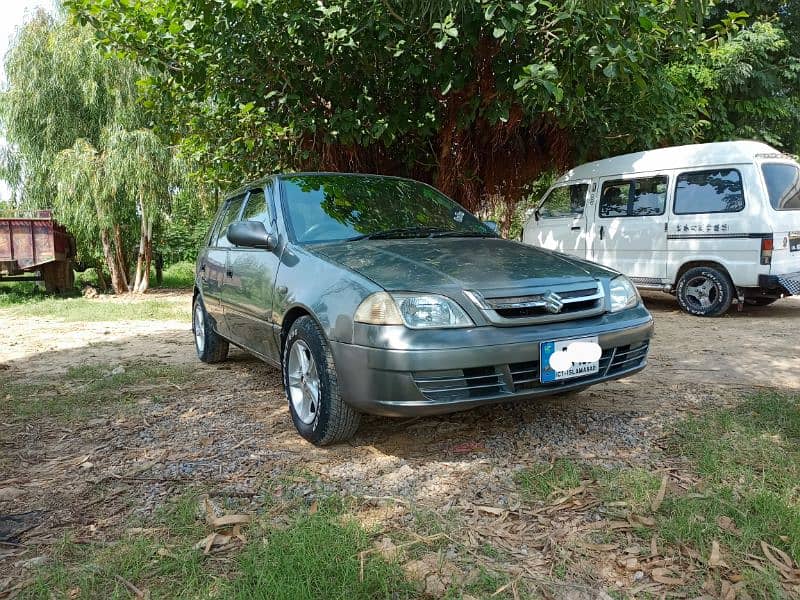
x: 122, y: 259
x: 101, y: 279
x: 137, y: 282
x: 118, y: 281
x: 145, y: 259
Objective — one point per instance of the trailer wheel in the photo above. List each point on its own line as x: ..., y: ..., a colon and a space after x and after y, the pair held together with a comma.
x: 58, y: 276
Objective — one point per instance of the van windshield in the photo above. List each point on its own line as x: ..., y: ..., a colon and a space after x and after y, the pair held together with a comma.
x: 783, y: 185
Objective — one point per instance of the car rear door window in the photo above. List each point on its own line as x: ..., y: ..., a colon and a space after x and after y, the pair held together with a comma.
x: 230, y: 214
x: 564, y: 201
x: 713, y: 191
x: 634, y: 197
x: 783, y: 185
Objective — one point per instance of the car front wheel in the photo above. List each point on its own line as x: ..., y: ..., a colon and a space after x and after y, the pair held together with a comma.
x: 309, y: 377
x: 705, y: 291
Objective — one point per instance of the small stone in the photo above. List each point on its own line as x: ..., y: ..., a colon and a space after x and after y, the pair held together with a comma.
x: 119, y: 370
x: 638, y: 576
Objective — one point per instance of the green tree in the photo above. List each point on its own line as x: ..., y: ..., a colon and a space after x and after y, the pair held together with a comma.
x: 78, y: 142
x: 479, y: 97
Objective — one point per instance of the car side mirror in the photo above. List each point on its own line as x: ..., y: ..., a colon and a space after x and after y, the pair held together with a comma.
x: 491, y: 225
x: 251, y: 234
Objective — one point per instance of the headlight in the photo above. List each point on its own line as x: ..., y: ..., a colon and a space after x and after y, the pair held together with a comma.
x: 623, y: 294
x: 415, y: 311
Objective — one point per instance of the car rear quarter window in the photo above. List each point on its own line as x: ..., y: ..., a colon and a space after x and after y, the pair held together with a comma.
x: 783, y: 185
x: 229, y: 215
x: 564, y: 201
x: 713, y: 191
x: 642, y: 197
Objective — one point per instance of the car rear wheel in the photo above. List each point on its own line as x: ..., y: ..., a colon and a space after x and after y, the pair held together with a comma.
x: 309, y: 377
x: 705, y: 291
x: 210, y: 346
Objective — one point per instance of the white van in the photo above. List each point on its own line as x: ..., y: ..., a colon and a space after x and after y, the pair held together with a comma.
x: 711, y: 223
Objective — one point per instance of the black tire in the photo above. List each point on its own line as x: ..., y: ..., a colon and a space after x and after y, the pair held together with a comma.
x: 214, y: 348
x: 705, y: 292
x: 760, y: 301
x: 333, y: 419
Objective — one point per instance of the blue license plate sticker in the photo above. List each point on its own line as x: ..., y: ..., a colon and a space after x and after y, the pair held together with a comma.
x: 556, y: 368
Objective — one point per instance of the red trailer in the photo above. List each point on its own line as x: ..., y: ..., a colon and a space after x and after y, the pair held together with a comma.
x: 32, y: 243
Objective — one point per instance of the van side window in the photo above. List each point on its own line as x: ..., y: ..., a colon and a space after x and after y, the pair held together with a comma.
x: 783, y: 185
x: 564, y: 201
x: 634, y: 197
x: 229, y: 215
x: 717, y: 191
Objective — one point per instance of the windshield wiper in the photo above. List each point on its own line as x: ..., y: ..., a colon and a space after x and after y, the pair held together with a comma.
x: 482, y: 234
x: 397, y: 232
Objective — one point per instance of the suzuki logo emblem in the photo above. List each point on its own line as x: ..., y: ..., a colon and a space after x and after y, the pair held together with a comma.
x: 553, y: 302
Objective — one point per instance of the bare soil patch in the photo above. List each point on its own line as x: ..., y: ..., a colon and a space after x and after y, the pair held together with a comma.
x: 226, y: 431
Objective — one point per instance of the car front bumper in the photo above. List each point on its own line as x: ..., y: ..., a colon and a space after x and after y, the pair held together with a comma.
x: 404, y: 373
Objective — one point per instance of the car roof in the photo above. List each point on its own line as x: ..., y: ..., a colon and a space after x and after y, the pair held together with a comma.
x: 674, y: 157
x: 243, y: 188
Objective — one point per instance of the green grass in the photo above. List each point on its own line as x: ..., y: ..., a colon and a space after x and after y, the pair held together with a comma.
x: 749, y: 459
x: 540, y: 482
x: 748, y: 463
x: 314, y: 556
x: 84, y: 389
x: 176, y: 276
x: 74, y: 309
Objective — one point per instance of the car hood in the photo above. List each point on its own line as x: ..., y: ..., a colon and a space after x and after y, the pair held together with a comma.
x: 430, y: 264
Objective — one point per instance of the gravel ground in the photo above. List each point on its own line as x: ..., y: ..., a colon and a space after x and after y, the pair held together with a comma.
x: 227, y: 430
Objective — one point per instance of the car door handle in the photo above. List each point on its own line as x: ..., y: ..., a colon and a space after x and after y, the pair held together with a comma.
x: 575, y: 228
x: 602, y: 229
x: 229, y: 273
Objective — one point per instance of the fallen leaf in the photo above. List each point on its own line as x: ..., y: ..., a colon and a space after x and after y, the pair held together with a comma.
x: 599, y: 547
x: 653, y: 546
x: 468, y: 447
x: 226, y: 520
x: 214, y: 539
x: 715, y: 560
x: 642, y: 520
x: 656, y: 504
x: 727, y: 524
x: 777, y: 557
x: 665, y: 576
x: 492, y: 510
x: 387, y: 548
x: 312, y: 510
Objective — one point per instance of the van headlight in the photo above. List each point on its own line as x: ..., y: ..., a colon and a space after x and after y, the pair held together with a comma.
x: 623, y: 294
x: 415, y: 311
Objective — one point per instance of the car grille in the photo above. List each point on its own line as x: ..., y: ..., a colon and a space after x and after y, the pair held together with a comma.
x: 497, y: 380
x: 576, y: 303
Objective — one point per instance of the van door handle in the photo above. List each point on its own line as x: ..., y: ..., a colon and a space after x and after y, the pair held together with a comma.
x: 602, y: 229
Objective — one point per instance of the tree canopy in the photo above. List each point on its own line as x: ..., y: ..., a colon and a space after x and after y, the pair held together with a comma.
x: 478, y: 96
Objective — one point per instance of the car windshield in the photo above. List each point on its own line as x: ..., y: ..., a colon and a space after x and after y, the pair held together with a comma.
x: 333, y: 207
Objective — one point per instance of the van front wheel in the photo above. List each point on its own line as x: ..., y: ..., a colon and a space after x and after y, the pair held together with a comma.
x: 705, y: 292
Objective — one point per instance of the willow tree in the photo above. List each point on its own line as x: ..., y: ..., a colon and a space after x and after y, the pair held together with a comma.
x: 78, y: 142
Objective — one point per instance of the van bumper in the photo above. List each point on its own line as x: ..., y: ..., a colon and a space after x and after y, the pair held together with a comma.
x: 427, y: 381
x: 788, y: 284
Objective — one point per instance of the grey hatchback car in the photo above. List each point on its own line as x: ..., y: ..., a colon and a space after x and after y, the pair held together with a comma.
x: 381, y: 295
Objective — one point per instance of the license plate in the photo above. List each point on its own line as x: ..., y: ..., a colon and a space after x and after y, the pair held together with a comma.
x: 794, y: 242
x: 564, y: 368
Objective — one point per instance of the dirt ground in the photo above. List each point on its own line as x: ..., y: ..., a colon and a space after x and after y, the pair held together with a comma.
x: 227, y: 429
